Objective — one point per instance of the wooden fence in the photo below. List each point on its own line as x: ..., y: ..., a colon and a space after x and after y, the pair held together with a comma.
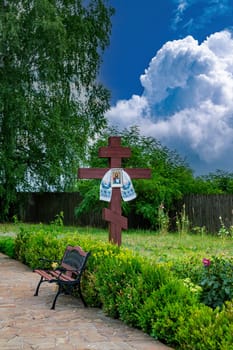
x: 206, y: 210
x: 45, y: 207
x: 201, y: 210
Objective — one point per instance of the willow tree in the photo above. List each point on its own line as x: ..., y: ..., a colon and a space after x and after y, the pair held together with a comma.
x: 50, y: 101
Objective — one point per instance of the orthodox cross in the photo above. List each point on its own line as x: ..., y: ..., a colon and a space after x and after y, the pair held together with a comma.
x: 114, y: 152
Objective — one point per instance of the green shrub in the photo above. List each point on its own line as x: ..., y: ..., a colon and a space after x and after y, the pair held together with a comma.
x: 225, y: 323
x: 21, y: 243
x: 187, y: 267
x: 41, y: 243
x: 165, y: 309
x: 115, y: 272
x: 174, y: 302
x: 197, y: 330
x: 206, y: 328
x: 138, y: 288
x: 217, y: 281
x: 7, y: 246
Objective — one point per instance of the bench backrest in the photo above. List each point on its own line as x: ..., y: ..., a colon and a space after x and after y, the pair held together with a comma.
x: 74, y: 258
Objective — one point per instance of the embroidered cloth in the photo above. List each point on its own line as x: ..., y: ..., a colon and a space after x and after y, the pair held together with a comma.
x: 126, y: 188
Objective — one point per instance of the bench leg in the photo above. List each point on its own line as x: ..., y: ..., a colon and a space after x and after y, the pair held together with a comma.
x: 81, y: 296
x: 38, y: 287
x: 56, y: 296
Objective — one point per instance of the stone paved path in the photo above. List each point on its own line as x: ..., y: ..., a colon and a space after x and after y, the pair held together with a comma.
x: 26, y: 322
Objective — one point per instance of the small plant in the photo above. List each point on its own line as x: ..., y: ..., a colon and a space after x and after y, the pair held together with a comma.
x: 59, y: 218
x: 199, y: 230
x: 224, y: 232
x: 182, y: 222
x: 163, y: 219
x: 15, y: 219
x: 194, y: 288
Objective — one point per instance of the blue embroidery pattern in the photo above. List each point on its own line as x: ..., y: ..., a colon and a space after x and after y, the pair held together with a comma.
x: 127, y: 190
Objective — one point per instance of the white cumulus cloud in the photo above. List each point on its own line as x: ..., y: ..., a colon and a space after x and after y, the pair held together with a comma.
x: 187, y: 102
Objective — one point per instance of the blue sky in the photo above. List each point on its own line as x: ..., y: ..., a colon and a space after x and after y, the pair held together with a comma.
x: 169, y: 68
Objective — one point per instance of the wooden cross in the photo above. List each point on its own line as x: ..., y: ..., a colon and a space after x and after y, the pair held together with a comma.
x: 114, y: 152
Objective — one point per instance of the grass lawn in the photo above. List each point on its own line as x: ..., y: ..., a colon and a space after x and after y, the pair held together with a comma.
x: 150, y: 243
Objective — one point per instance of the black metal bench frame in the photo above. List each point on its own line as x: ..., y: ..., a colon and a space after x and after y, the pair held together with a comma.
x: 67, y: 275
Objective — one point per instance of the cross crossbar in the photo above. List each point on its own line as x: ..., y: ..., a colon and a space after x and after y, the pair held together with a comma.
x: 97, y: 173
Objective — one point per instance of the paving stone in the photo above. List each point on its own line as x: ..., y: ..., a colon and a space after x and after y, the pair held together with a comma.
x: 27, y: 323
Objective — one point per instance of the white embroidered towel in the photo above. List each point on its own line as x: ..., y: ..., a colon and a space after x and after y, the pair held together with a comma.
x: 105, y: 187
x: 127, y: 189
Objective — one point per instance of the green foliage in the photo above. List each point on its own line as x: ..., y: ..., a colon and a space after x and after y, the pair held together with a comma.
x: 225, y: 326
x: 163, y: 220
x: 138, y: 288
x: 224, y: 232
x: 214, y: 183
x: 162, y: 299
x: 89, y: 191
x: 165, y: 309
x: 182, y: 222
x: 59, y: 218
x: 30, y: 246
x: 7, y: 246
x: 43, y: 246
x: 50, y: 101
x: 171, y: 177
x: 207, y: 329
x: 113, y: 276
x: 187, y: 267
x: 194, y: 288
x: 217, y: 281
x: 21, y: 243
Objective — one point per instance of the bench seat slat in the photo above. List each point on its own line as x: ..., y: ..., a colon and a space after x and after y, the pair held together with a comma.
x: 48, y: 275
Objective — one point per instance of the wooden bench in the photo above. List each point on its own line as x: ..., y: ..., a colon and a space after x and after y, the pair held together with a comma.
x: 66, y: 274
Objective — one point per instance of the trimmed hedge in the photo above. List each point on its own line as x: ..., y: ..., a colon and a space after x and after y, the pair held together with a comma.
x: 7, y: 246
x: 139, y: 291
